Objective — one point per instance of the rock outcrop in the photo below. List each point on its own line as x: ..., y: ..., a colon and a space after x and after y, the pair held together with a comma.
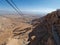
x: 43, y: 30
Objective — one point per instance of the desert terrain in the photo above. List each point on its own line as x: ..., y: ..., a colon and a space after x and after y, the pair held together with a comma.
x: 16, y: 30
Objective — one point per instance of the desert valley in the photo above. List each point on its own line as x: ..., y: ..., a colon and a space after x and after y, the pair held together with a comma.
x: 16, y: 30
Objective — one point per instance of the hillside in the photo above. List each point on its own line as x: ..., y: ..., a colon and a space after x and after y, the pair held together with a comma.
x: 42, y: 31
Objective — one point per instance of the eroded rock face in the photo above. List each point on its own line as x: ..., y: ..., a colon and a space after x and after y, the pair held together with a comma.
x: 43, y: 30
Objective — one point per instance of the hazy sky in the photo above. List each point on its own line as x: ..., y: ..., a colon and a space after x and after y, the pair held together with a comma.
x: 36, y: 6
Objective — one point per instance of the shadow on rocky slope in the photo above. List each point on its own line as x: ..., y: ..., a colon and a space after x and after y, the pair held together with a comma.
x: 42, y: 33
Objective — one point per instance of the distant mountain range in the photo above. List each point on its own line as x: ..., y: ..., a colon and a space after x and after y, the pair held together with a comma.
x: 4, y: 12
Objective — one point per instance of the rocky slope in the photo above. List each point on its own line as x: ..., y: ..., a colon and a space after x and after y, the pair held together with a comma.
x: 42, y: 31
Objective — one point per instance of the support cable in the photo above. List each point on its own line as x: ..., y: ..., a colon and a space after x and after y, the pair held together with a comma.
x: 13, y: 7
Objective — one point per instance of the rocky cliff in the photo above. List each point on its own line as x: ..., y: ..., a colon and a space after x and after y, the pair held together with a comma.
x: 42, y: 31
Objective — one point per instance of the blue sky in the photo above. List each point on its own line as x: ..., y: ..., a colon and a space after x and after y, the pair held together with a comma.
x: 36, y: 6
